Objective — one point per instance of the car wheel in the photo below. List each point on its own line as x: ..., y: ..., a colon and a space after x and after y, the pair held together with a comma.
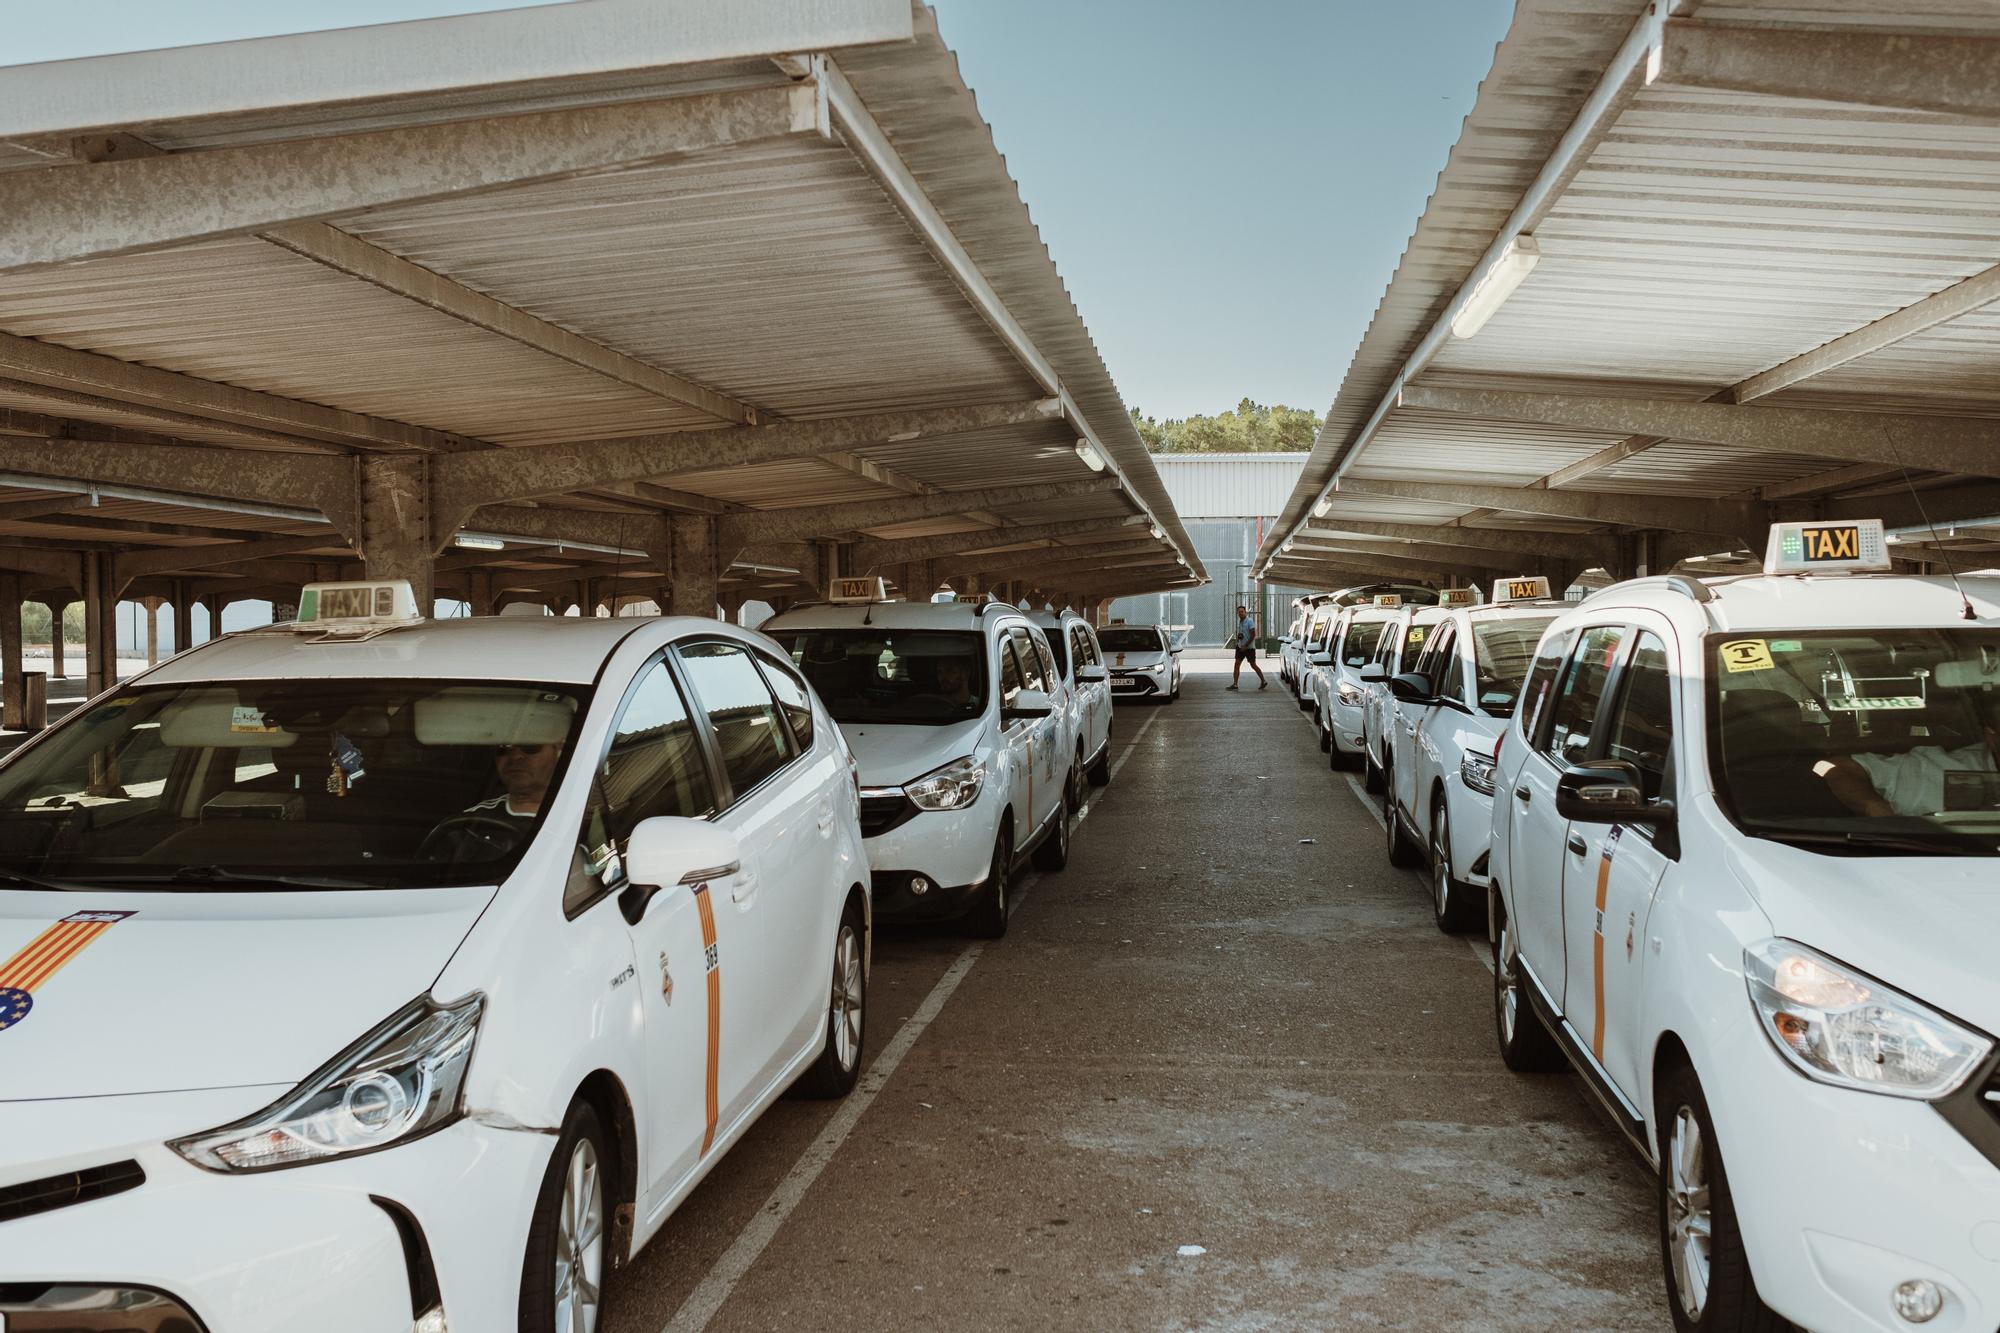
x: 839, y: 1064
x: 1709, y: 1284
x: 1525, y: 1044
x: 1403, y: 852
x: 562, y: 1281
x: 1452, y: 902
x: 1325, y: 736
x: 988, y: 920
x: 1076, y: 782
x: 1372, y: 773
x: 1053, y: 854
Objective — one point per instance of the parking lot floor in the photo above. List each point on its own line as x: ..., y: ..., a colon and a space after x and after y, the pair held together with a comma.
x: 1222, y: 1073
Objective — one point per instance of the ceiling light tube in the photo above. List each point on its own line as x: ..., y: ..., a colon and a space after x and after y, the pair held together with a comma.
x: 1516, y: 262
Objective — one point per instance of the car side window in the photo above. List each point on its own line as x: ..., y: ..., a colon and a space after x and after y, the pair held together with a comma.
x: 748, y: 730
x: 792, y: 698
x: 1642, y: 730
x: 1042, y: 650
x: 1431, y: 662
x: 1023, y: 643
x: 1010, y: 671
x: 653, y: 765
x: 1581, y: 693
x: 1542, y: 679
x: 1450, y: 679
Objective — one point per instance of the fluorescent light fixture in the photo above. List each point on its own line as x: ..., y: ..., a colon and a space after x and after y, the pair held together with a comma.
x: 1289, y: 545
x: 1516, y: 262
x: 1157, y: 531
x: 1088, y: 453
x: 475, y: 541
x: 1323, y: 507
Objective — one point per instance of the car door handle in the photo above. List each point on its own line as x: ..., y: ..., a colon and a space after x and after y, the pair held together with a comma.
x: 1522, y: 795
x: 825, y: 820
x: 1577, y: 846
x: 743, y: 888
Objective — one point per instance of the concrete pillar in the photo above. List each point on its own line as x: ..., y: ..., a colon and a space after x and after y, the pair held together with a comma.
x: 693, y: 572
x: 183, y: 616
x: 13, y: 688
x: 479, y: 592
x: 151, y: 607
x: 396, y: 539
x: 56, y: 612
x: 100, y: 624
x: 214, y: 603
x: 732, y: 606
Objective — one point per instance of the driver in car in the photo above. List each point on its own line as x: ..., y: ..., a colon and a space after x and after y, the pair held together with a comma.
x: 954, y: 680
x: 524, y: 771
x: 1912, y: 782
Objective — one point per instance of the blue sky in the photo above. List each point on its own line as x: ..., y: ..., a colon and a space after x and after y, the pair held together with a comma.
x: 1225, y: 184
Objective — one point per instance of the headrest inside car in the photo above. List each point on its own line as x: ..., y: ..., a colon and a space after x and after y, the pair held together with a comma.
x: 215, y: 719
x: 481, y: 715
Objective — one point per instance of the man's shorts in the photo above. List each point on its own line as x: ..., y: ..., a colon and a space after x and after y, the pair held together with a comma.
x: 1248, y: 654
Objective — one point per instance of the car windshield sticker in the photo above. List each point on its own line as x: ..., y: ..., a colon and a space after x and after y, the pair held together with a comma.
x: 711, y: 962
x: 1862, y: 703
x: 1786, y: 645
x: 45, y: 955
x: 243, y: 718
x: 1747, y: 655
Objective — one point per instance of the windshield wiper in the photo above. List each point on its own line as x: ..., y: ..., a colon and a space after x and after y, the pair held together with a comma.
x: 36, y: 882
x: 1857, y: 840
x: 209, y: 875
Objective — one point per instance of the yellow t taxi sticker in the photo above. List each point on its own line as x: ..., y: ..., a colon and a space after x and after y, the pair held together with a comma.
x: 37, y: 961
x: 1747, y: 655
x: 245, y: 719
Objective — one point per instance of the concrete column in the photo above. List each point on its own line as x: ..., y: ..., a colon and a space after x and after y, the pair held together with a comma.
x: 100, y: 624
x: 183, y: 616
x: 479, y: 592
x: 732, y: 606
x: 693, y: 572
x: 151, y: 607
x: 396, y: 537
x: 56, y: 645
x: 13, y: 689
x: 214, y: 603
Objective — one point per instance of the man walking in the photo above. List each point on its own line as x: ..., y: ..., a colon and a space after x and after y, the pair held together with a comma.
x: 1246, y: 649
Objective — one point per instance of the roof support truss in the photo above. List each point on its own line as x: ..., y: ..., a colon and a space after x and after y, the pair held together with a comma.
x: 1513, y: 544
x: 1736, y: 518
x: 865, y: 556
x: 735, y: 531
x: 1957, y: 75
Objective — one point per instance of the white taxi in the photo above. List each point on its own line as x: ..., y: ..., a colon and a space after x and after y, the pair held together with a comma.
x: 1451, y: 706
x: 1745, y: 880
x: 1337, y: 691
x: 1080, y: 663
x: 1396, y: 652
x: 372, y: 973
x: 961, y: 725
x: 1314, y: 652
x: 1145, y: 661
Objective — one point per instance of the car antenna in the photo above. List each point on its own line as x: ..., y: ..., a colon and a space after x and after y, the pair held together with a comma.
x: 1944, y: 556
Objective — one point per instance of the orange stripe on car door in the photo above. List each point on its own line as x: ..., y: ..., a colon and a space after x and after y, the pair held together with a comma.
x: 714, y: 969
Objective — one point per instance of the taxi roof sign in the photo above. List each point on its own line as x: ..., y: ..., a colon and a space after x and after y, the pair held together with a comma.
x: 361, y: 605
x: 1459, y: 597
x: 851, y: 590
x: 1827, y: 546
x: 1528, y: 588
x: 1388, y: 601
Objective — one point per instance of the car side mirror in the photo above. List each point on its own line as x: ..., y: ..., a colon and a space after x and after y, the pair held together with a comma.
x: 669, y: 850
x: 1027, y: 704
x: 1607, y: 791
x: 1320, y: 659
x: 1371, y: 674
x: 1089, y: 675
x: 1412, y: 687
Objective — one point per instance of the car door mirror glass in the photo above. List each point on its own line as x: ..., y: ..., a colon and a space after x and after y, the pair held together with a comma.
x: 1607, y: 791
x: 1027, y: 704
x: 1089, y: 675
x: 1372, y: 674
x: 669, y: 850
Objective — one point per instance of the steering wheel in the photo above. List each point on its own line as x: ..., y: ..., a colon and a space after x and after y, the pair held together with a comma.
x: 492, y: 832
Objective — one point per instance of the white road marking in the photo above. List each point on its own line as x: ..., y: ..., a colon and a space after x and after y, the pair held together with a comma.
x: 743, y: 1252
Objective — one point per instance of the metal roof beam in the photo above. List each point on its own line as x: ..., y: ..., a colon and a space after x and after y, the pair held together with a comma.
x: 1944, y: 444
x: 740, y: 530
x: 868, y: 555
x: 1415, y: 564
x: 581, y: 527
x: 1838, y: 479
x: 1054, y: 559
x: 1952, y: 504
x: 1435, y: 553
x: 1954, y: 74
x: 325, y: 484
x: 139, y: 564
x: 52, y: 215
x: 463, y: 482
x: 1505, y: 540
x: 18, y: 511
x: 1735, y: 518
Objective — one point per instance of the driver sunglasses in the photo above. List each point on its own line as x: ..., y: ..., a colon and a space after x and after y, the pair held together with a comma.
x: 502, y: 751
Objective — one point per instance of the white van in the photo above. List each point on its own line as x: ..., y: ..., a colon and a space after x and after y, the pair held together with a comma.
x: 1080, y: 663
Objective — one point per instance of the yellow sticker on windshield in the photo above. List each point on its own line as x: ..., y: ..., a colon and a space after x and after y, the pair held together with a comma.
x: 1747, y: 655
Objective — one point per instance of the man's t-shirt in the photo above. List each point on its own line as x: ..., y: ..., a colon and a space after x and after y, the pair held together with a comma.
x: 1913, y: 783
x: 499, y: 805
x: 1246, y: 632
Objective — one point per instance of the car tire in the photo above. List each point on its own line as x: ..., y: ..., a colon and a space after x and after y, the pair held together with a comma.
x: 1325, y: 736
x: 1053, y: 852
x: 1372, y: 779
x: 1404, y: 853
x: 1454, y: 903
x: 569, y: 1250
x: 988, y: 919
x: 838, y: 1067
x: 1076, y: 782
x: 1714, y: 1277
x: 1526, y: 1045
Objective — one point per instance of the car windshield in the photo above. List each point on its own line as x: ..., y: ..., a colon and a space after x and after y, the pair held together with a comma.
x: 289, y: 783
x: 1359, y: 645
x: 1502, y: 651
x: 918, y: 677
x: 1125, y: 639
x: 1882, y: 742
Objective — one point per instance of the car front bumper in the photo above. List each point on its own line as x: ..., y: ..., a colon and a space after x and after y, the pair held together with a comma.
x: 306, y: 1250
x: 1346, y: 726
x: 1138, y: 685
x: 1842, y: 1195
x: 952, y: 849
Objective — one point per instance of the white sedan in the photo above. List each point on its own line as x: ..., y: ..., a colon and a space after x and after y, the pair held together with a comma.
x: 371, y: 973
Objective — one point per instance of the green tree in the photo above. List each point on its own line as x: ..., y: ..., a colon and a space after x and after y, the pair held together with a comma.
x: 1248, y: 428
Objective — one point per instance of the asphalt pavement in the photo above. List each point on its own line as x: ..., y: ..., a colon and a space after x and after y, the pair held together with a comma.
x: 1222, y: 1073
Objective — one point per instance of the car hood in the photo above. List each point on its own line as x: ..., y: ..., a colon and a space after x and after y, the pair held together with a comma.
x: 1923, y: 924
x: 889, y: 754
x: 169, y: 991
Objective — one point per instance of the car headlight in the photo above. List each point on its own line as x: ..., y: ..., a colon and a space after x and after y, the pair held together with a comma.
x: 404, y: 1079
x: 1476, y: 771
x: 1351, y: 695
x: 1158, y: 668
x: 952, y: 787
x: 1837, y: 1026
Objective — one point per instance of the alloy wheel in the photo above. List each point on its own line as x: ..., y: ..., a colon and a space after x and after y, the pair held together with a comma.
x: 847, y: 993
x: 1440, y: 862
x: 1690, y: 1224
x: 580, y: 1242
x: 1506, y: 982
